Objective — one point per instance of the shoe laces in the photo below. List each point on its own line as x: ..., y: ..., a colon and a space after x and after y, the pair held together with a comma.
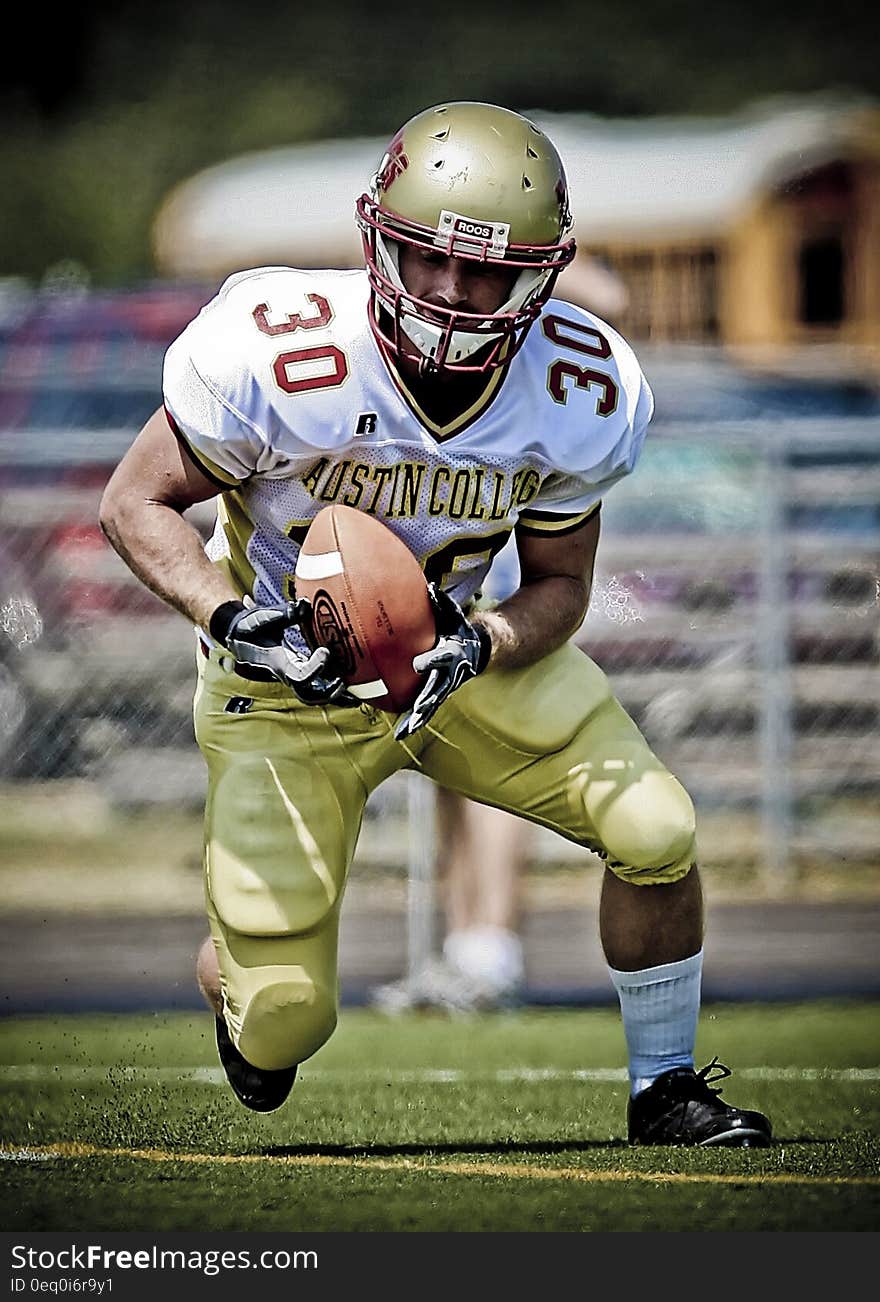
x: 695, y: 1087
x: 706, y: 1077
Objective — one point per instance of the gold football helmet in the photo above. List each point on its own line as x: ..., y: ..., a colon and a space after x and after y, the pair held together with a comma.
x: 473, y: 181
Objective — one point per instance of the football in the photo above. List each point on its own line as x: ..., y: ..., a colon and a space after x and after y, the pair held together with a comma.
x: 370, y: 604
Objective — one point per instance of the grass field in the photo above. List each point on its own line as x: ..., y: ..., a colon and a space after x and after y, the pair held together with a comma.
x: 505, y: 1122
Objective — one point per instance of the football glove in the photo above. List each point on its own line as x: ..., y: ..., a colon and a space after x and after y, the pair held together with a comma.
x: 254, y: 635
x: 461, y: 652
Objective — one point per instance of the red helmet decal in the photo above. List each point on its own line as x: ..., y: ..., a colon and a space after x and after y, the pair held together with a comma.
x: 393, y: 165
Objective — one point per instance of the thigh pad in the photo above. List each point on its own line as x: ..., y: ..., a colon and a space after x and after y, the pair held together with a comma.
x: 540, y: 708
x: 276, y: 851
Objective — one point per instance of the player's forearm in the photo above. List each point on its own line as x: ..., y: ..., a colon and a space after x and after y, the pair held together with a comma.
x: 537, y: 619
x: 167, y: 555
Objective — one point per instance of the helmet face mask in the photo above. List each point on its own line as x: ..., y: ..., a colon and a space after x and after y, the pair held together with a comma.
x: 475, y: 182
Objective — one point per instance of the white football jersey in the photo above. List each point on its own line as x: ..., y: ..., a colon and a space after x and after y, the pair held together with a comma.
x: 283, y: 397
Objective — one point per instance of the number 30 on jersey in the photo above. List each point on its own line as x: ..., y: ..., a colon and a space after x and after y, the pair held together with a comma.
x: 297, y: 370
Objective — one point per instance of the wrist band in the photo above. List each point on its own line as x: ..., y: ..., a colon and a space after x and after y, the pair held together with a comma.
x: 221, y: 620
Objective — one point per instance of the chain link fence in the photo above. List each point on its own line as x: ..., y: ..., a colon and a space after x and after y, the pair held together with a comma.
x: 737, y: 614
x: 735, y: 610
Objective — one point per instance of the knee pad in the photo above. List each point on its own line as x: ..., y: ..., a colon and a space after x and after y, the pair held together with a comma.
x: 279, y: 992
x: 646, y: 827
x: 286, y: 1020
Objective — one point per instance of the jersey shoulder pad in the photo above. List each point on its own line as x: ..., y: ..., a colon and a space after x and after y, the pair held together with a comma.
x: 280, y: 302
x: 578, y: 335
x: 602, y: 396
x: 218, y: 374
x: 261, y: 312
x: 593, y: 429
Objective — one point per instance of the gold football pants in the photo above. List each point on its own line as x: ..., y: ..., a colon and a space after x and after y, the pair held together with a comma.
x: 287, y: 786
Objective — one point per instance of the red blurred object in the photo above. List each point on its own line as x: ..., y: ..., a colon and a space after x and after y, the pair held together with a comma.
x: 87, y: 578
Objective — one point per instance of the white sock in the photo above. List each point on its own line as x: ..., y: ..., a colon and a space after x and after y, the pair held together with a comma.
x: 660, y: 1007
x: 486, y: 954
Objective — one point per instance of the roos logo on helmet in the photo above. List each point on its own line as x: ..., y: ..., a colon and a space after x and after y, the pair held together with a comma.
x: 460, y: 230
x: 471, y: 228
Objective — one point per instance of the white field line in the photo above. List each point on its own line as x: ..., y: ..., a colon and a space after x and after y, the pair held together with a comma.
x: 70, y: 1073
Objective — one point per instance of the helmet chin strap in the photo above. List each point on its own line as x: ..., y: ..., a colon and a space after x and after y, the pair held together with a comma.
x: 427, y: 367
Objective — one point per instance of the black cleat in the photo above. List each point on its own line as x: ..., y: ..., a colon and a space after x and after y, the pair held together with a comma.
x: 261, y: 1091
x: 680, y: 1108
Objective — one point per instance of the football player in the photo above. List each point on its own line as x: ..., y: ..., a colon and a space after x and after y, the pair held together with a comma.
x: 444, y: 390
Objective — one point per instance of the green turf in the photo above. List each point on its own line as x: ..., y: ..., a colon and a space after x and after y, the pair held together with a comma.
x: 422, y: 1123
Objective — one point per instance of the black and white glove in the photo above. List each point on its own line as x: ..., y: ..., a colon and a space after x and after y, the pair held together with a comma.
x: 461, y: 652
x: 254, y: 635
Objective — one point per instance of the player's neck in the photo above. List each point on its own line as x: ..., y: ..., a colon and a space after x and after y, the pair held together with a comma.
x: 442, y: 396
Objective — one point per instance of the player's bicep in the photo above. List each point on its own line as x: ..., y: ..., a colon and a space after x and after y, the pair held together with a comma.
x: 158, y: 468
x: 568, y: 553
